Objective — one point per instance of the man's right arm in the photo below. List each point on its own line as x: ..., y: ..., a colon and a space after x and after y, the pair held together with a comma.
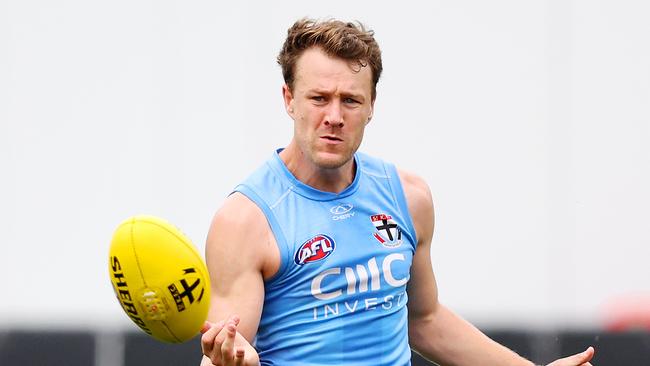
x: 240, y: 253
x: 436, y: 332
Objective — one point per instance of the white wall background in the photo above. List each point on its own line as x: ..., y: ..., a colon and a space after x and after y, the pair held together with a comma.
x: 529, y: 119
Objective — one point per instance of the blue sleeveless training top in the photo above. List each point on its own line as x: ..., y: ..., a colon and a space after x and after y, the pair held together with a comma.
x: 339, y: 297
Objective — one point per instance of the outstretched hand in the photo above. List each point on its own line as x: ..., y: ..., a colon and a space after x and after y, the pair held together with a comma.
x: 224, y: 346
x: 579, y: 359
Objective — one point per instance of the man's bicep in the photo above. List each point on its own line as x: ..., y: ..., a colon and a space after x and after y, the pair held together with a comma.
x: 423, y: 305
x: 422, y: 288
x: 236, y: 264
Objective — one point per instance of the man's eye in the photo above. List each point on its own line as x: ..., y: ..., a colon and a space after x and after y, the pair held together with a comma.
x: 350, y: 100
x: 318, y: 98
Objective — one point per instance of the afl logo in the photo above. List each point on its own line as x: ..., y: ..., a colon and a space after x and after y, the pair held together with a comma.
x: 315, y: 249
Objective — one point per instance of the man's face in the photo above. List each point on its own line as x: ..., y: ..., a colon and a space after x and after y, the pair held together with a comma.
x: 331, y: 103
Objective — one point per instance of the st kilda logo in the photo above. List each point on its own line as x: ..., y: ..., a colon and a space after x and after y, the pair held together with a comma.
x: 315, y: 249
x: 387, y: 232
x: 188, y: 288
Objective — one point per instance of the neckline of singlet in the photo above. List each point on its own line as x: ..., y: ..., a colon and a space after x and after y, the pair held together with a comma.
x: 308, y: 191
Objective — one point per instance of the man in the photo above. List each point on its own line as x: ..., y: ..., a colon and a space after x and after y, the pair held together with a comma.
x: 322, y: 256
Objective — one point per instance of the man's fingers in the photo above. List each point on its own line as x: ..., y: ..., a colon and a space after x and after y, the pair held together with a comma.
x: 235, y: 319
x: 208, y: 337
x: 206, y: 326
x: 579, y: 359
x: 228, y: 346
x: 239, y: 357
x: 587, y: 355
x: 220, y: 342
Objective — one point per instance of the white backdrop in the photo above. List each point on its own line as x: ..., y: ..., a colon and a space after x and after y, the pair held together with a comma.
x: 529, y: 119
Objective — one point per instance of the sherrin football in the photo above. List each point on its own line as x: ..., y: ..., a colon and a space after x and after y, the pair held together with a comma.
x: 159, y: 278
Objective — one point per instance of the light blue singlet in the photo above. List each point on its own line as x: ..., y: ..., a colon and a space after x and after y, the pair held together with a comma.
x: 339, y: 297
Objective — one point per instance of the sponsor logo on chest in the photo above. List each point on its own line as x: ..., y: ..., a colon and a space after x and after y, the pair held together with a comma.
x: 342, y: 211
x: 379, y: 284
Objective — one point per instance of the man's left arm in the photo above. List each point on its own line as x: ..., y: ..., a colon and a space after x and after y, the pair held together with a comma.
x: 436, y: 332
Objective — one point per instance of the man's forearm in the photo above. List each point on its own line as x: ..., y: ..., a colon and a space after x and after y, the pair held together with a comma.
x: 449, y: 340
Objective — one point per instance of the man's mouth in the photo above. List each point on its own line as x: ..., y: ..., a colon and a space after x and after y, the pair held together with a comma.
x: 332, y: 138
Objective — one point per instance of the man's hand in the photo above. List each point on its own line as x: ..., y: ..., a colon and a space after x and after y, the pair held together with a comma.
x: 224, y: 346
x: 579, y: 359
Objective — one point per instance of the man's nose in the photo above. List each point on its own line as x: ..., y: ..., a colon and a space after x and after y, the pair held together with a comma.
x: 334, y: 115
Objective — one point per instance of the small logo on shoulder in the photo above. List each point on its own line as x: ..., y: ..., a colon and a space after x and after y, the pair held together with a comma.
x: 342, y: 211
x: 315, y: 249
x: 387, y: 231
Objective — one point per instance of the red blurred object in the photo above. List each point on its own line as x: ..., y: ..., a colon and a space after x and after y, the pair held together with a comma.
x: 630, y: 312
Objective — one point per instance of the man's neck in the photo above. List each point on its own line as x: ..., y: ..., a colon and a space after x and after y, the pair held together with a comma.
x: 334, y: 180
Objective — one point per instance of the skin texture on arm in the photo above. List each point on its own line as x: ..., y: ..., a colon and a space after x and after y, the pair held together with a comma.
x: 240, y: 253
x: 436, y: 332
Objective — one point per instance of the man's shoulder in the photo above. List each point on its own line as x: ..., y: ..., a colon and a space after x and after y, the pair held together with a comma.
x: 266, y: 183
x: 373, y: 165
x: 238, y: 220
x: 413, y: 182
x: 408, y: 179
x: 419, y: 201
x: 238, y: 209
x: 240, y: 237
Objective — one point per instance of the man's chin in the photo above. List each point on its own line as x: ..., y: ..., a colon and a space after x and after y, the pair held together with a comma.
x: 332, y: 161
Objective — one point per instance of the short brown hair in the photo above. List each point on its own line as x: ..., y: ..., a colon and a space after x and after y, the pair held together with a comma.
x: 348, y: 41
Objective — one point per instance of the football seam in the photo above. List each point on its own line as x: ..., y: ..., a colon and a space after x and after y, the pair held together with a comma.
x: 181, y: 238
x: 191, y: 247
x: 135, y: 253
x: 170, y: 332
x: 137, y: 260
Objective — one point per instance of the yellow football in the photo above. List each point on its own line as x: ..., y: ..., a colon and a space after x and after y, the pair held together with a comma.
x: 159, y: 278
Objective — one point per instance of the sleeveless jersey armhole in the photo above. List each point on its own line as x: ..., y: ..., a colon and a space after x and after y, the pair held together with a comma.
x: 398, y: 192
x: 280, y: 238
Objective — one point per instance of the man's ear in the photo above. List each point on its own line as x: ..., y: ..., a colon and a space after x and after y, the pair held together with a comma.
x: 372, y: 110
x: 288, y: 99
